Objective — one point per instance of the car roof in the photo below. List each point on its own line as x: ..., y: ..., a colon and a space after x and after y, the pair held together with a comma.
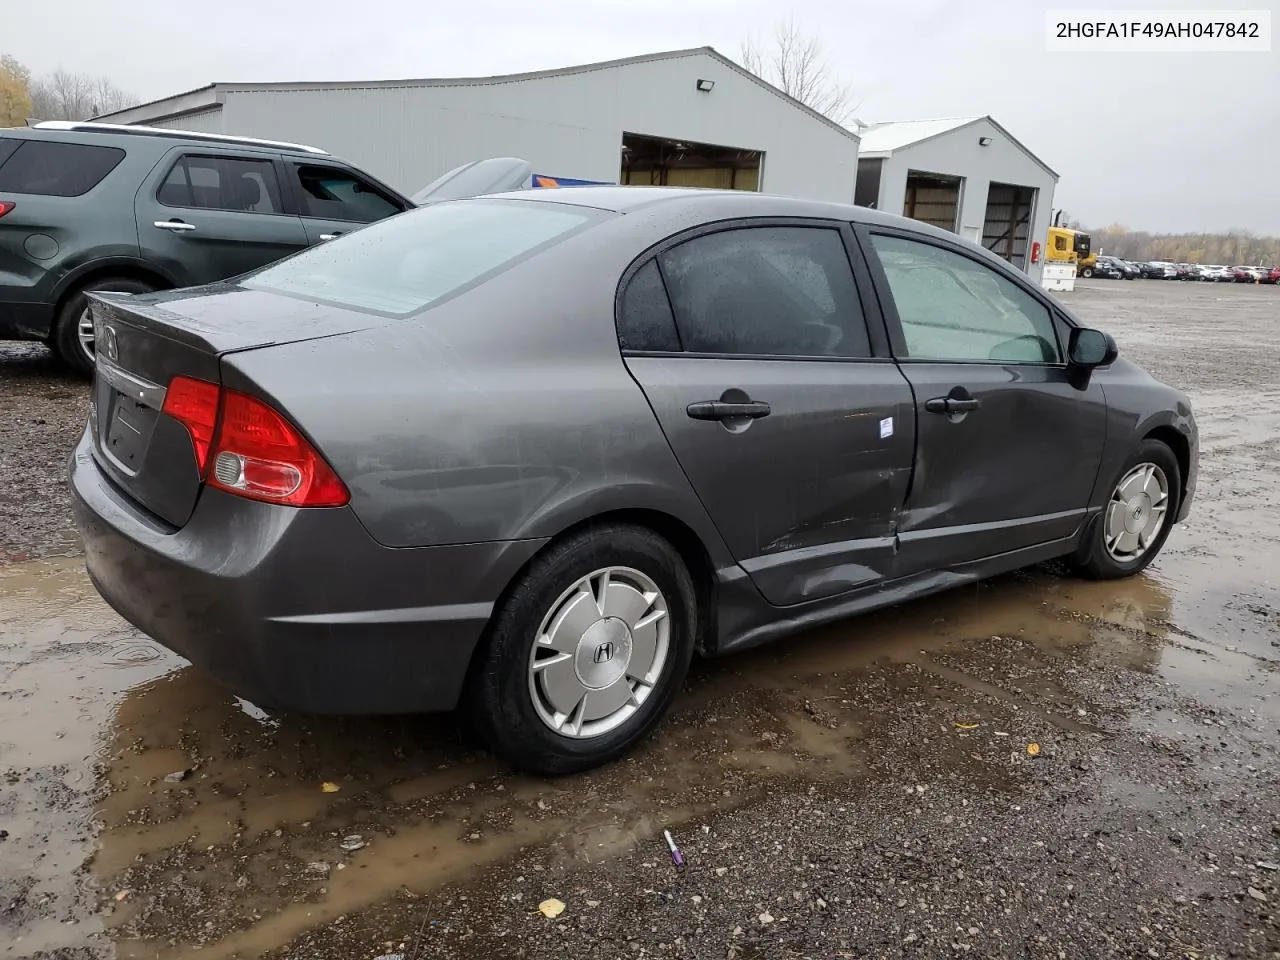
x: 131, y: 130
x: 717, y: 204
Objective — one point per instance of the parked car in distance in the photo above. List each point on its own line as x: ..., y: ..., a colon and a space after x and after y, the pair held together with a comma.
x: 1218, y: 273
x: 1132, y: 270
x: 1108, y: 268
x: 529, y: 453
x: 1245, y: 274
x: 1270, y: 275
x: 1153, y: 270
x: 87, y: 207
x: 1163, y: 270
x: 1188, y: 271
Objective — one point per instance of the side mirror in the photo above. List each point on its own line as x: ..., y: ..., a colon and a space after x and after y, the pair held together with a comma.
x: 1091, y: 348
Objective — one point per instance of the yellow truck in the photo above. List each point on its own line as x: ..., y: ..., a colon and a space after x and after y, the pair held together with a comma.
x: 1071, y: 246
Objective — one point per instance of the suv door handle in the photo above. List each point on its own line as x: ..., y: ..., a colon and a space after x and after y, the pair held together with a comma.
x: 330, y: 236
x: 177, y: 226
x: 722, y: 410
x: 951, y: 405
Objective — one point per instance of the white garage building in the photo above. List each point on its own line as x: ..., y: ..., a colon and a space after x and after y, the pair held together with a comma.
x: 968, y: 175
x: 686, y: 117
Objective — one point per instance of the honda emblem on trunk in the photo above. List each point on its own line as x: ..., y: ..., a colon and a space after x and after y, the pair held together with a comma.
x: 109, y: 345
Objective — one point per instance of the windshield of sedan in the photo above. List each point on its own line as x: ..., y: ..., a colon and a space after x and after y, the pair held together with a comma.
x: 403, y: 264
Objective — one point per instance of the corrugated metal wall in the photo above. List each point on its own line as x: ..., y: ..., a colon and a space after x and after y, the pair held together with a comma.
x: 567, y: 125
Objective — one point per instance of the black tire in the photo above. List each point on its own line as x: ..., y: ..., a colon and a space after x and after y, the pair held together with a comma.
x: 1086, y: 273
x: 66, y: 337
x: 1093, y: 560
x: 498, y: 701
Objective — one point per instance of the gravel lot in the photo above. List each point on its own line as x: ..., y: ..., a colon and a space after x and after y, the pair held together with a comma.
x: 1032, y: 767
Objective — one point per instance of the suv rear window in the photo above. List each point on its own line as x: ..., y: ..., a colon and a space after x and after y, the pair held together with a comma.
x: 401, y: 265
x: 52, y: 168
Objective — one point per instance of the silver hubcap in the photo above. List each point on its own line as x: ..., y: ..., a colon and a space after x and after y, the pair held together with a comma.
x: 599, y: 652
x: 84, y: 330
x: 1136, y: 513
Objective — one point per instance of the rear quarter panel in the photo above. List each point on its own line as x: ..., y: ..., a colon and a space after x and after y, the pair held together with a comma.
x: 503, y: 414
x: 92, y: 230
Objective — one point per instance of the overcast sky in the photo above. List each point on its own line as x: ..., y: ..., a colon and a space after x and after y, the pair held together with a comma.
x: 1164, y: 142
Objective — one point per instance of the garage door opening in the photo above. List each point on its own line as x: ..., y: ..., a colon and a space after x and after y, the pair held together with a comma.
x: 659, y: 162
x: 933, y: 198
x: 1007, y: 225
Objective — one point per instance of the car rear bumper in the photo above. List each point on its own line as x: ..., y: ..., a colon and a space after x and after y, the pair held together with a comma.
x: 25, y: 320
x: 294, y: 608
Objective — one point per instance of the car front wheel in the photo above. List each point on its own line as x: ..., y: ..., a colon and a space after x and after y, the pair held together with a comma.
x: 586, y: 652
x: 1137, y: 517
x: 1086, y: 273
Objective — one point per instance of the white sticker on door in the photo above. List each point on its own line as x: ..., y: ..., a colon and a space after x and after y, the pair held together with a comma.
x: 886, y: 427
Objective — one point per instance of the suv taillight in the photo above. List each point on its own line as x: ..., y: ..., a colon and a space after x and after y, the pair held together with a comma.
x: 245, y: 447
x: 6, y: 206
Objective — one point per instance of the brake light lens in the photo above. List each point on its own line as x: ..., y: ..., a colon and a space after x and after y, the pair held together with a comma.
x: 6, y: 206
x: 194, y: 404
x: 245, y: 447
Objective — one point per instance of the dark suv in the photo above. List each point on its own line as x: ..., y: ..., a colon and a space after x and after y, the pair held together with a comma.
x: 89, y: 206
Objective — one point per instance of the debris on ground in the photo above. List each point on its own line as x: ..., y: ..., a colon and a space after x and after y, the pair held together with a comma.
x: 329, y: 787
x: 177, y: 776
x: 551, y: 908
x: 353, y: 843
x: 676, y: 856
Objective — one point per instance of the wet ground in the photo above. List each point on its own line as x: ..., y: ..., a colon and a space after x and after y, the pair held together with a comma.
x: 1033, y: 767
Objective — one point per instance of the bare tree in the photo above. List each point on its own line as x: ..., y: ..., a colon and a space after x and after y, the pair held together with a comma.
x: 76, y: 96
x: 796, y: 64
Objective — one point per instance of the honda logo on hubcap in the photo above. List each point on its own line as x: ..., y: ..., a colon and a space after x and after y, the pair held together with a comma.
x: 604, y: 652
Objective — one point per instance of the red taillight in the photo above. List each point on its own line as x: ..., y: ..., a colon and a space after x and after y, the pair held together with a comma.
x: 6, y: 206
x: 194, y: 404
x: 247, y: 448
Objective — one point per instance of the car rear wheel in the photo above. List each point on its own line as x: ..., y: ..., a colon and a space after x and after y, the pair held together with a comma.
x: 1086, y: 273
x: 1137, y: 517
x: 73, y: 332
x: 586, y: 652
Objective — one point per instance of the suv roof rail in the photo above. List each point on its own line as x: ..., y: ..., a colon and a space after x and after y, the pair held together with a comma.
x: 92, y: 127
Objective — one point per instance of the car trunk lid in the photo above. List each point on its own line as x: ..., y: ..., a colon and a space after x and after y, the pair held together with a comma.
x: 144, y: 342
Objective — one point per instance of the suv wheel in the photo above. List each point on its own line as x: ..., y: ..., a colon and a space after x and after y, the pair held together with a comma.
x: 73, y: 331
x: 587, y: 651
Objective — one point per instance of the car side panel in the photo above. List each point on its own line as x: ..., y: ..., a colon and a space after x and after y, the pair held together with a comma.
x: 505, y: 413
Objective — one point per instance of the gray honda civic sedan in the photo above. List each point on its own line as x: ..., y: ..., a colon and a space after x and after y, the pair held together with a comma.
x: 528, y: 454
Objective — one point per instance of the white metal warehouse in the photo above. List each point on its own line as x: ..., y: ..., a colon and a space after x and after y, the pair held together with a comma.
x: 968, y: 175
x: 685, y: 117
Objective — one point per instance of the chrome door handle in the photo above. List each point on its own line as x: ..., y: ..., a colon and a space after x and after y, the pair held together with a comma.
x: 177, y: 226
x: 330, y: 236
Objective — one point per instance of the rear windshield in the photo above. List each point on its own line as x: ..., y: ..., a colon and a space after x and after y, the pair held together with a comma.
x: 401, y: 265
x: 54, y: 168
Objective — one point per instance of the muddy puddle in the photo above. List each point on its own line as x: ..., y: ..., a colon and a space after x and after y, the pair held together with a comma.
x: 149, y: 813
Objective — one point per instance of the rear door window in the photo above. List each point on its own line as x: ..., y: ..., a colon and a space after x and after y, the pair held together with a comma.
x: 222, y: 183
x: 403, y: 264
x: 330, y: 193
x: 53, y: 168
x: 766, y: 291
